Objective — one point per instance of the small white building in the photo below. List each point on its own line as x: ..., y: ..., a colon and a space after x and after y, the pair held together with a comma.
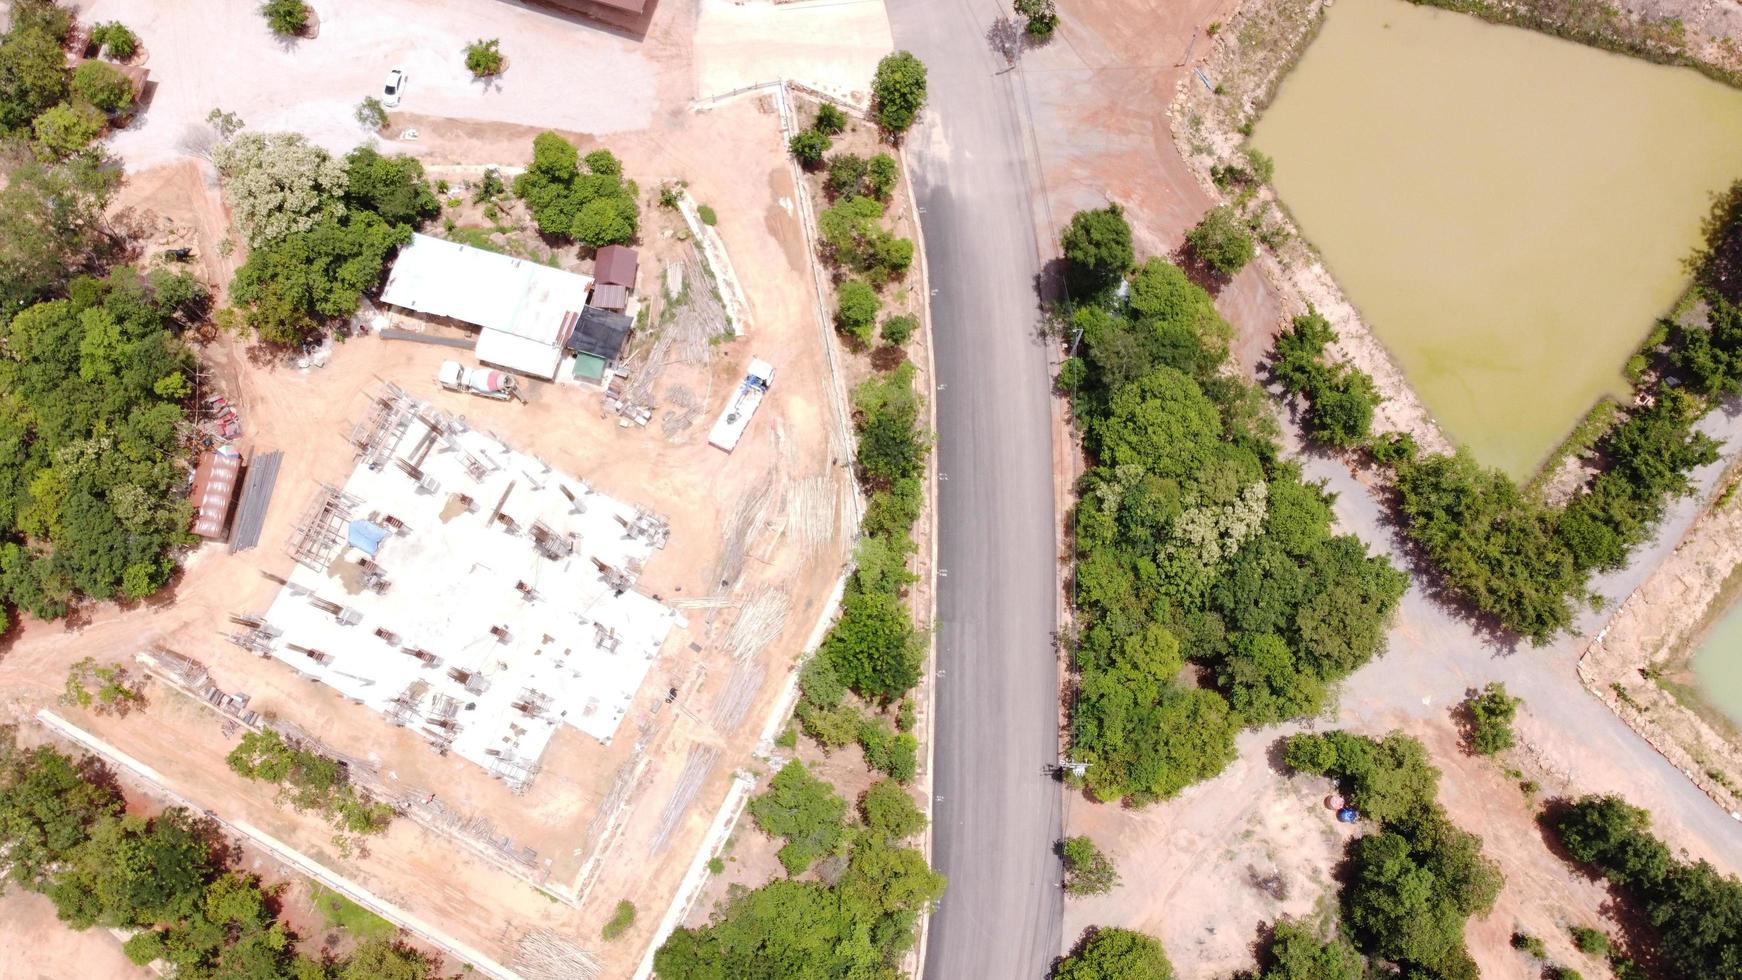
x: 526, y: 311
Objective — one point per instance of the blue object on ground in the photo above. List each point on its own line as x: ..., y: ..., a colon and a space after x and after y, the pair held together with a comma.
x: 366, y: 536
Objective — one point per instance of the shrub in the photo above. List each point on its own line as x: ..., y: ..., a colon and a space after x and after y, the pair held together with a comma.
x: 286, y: 18
x: 484, y: 58
x: 1221, y: 242
x: 897, y: 330
x: 1592, y: 942
x: 115, y: 39
x: 1490, y: 715
x: 1042, y: 17
x: 1087, y: 870
x: 621, y: 919
x: 371, y: 114
x: 830, y: 119
x: 104, y: 86
x: 809, y: 146
x: 847, y: 173
x: 898, y: 91
x: 1529, y: 945
x: 856, y: 308
x: 881, y: 175
x: 707, y: 215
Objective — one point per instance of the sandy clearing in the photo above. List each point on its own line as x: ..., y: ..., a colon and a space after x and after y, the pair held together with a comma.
x: 833, y: 45
x: 34, y: 945
x: 563, y: 72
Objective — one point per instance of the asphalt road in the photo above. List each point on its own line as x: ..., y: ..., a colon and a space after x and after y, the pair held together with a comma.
x: 997, y: 815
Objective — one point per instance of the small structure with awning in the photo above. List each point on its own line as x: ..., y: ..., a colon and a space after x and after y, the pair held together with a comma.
x: 597, y: 340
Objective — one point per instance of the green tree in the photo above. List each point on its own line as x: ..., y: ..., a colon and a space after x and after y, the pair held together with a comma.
x: 594, y: 204
x: 484, y: 58
x: 897, y: 330
x: 279, y: 183
x: 104, y: 86
x: 1115, y: 954
x: 809, y: 146
x: 47, y: 809
x: 856, y: 308
x: 391, y: 186
x: 115, y: 39
x: 33, y: 74
x: 1041, y: 16
x: 898, y: 91
x: 286, y: 18
x: 1489, y: 716
x: 874, y: 647
x: 889, y: 812
x: 1097, y: 249
x: 51, y: 222
x: 803, y: 810
x: 371, y: 114
x: 1295, y: 952
x: 66, y: 129
x: 847, y: 172
x: 295, y: 285
x: 1087, y: 870
x: 1221, y: 241
x: 830, y: 120
x: 882, y: 173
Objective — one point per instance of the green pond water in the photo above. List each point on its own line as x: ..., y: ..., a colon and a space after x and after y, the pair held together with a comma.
x: 1717, y: 665
x: 1509, y: 211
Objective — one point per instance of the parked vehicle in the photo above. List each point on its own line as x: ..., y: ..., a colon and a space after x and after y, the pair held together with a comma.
x: 394, y: 88
x: 483, y: 382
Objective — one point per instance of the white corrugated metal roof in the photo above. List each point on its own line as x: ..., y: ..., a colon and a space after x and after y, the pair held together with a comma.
x: 503, y: 349
x: 497, y: 292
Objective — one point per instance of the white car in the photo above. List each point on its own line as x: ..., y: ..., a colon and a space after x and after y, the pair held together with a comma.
x: 394, y: 88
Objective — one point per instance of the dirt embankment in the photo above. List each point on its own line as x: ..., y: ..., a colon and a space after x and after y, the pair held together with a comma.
x: 1638, y: 665
x: 1248, y: 59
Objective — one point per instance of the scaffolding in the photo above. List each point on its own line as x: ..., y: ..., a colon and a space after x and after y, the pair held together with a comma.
x: 321, y: 533
x: 517, y: 771
x: 390, y: 413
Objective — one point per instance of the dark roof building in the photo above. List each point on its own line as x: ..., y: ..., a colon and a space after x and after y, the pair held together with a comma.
x: 600, y: 333
x: 615, y: 265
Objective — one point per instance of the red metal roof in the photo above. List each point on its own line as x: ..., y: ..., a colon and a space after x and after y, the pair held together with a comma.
x: 213, y: 492
x: 615, y: 266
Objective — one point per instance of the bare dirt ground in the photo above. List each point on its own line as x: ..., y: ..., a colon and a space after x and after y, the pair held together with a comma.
x: 1654, y: 634
x: 1185, y: 862
x: 214, y: 53
x: 732, y: 157
x: 34, y: 945
x: 833, y: 45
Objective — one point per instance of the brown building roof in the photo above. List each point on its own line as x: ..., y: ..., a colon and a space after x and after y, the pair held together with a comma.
x: 615, y: 266
x: 609, y: 297
x: 214, y: 490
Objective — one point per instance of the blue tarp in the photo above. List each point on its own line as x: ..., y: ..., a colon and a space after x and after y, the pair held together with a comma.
x: 366, y: 535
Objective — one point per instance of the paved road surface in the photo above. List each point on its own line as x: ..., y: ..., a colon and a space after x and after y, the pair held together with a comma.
x: 996, y: 814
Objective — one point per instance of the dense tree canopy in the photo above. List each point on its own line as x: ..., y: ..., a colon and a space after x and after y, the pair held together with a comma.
x: 64, y: 829
x: 391, y: 186
x: 1196, y: 542
x: 90, y: 455
x: 278, y: 184
x: 1411, y: 886
x: 584, y: 199
x: 1695, y: 909
x: 51, y: 222
x: 302, y: 280
x: 1115, y: 954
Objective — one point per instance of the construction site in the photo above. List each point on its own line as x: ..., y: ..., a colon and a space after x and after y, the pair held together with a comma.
x: 550, y: 631
x: 467, y: 591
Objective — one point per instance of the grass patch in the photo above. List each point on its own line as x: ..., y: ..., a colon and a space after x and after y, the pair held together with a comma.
x: 340, y: 912
x: 621, y: 920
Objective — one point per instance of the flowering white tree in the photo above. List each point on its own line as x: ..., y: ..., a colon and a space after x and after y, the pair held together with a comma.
x: 278, y: 183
